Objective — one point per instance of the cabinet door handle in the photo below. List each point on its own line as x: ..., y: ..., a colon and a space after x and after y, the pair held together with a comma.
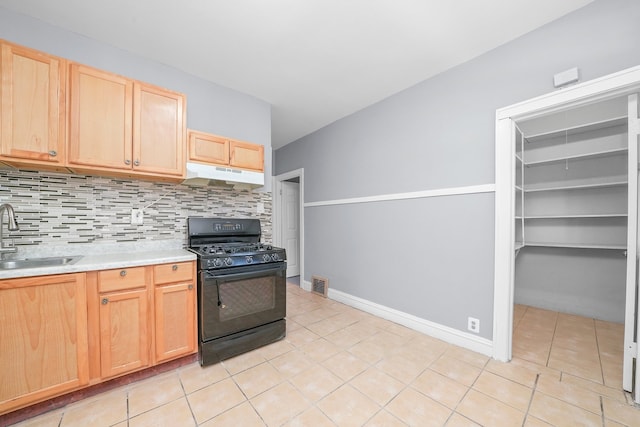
x: 127, y: 162
x: 104, y: 301
x: 136, y: 162
x: 190, y: 287
x: 53, y: 153
x: 175, y: 267
x: 123, y: 273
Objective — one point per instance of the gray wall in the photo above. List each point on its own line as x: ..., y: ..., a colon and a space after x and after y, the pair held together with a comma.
x: 577, y: 281
x: 438, y: 134
x: 210, y: 107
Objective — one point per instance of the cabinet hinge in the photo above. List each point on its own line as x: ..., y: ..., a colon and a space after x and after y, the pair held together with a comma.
x: 632, y: 350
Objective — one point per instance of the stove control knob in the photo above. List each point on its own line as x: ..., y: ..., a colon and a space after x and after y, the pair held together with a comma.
x: 275, y: 257
x: 228, y: 261
x: 249, y: 259
x: 266, y: 258
x: 217, y: 262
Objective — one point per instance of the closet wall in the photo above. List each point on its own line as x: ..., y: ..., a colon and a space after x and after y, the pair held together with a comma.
x: 571, y: 210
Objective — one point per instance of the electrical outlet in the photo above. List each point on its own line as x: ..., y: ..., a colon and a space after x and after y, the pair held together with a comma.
x: 137, y: 216
x: 473, y: 325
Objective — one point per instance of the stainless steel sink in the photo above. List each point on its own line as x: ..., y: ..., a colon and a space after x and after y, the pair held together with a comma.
x: 13, y: 264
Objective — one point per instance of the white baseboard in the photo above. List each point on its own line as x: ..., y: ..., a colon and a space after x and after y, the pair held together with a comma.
x: 444, y: 333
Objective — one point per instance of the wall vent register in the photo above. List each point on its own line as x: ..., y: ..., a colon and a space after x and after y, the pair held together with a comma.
x: 320, y: 285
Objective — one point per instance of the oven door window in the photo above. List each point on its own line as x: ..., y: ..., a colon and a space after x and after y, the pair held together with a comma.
x: 246, y: 297
x: 234, y: 302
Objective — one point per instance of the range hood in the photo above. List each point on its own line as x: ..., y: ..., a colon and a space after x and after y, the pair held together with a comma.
x: 200, y: 174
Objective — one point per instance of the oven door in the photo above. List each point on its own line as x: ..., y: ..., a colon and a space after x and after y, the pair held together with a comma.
x: 240, y: 298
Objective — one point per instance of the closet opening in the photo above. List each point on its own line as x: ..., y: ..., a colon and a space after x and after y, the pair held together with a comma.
x: 571, y: 218
x: 566, y: 265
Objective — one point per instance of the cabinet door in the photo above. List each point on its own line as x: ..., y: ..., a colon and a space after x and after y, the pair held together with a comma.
x: 123, y: 332
x: 246, y: 155
x: 175, y: 320
x: 43, y: 338
x: 100, y: 119
x: 33, y: 105
x: 159, y: 131
x: 208, y: 148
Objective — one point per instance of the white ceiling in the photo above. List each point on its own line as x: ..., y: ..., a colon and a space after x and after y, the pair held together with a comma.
x: 314, y: 61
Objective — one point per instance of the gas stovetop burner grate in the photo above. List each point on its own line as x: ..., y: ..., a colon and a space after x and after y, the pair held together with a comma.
x: 229, y: 243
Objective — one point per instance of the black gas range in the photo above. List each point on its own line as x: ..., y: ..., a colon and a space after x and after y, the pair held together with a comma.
x: 241, y: 287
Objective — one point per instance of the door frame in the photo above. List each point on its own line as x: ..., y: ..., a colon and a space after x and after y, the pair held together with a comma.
x: 618, y: 84
x: 277, y: 215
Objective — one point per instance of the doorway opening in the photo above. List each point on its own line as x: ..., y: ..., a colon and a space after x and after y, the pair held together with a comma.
x: 288, y: 203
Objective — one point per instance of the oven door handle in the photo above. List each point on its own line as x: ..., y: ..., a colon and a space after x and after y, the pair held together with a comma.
x: 245, y: 274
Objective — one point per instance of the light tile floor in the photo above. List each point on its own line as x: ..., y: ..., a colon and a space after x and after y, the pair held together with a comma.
x: 339, y: 366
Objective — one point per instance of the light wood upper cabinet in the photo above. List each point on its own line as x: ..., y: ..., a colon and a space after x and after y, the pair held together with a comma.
x: 43, y: 338
x: 32, y: 93
x: 101, y: 119
x: 245, y: 155
x: 219, y: 150
x: 92, y: 122
x: 125, y: 127
x: 158, y: 131
x: 207, y: 148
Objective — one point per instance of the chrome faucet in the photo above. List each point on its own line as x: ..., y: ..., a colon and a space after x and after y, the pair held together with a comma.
x: 12, y: 226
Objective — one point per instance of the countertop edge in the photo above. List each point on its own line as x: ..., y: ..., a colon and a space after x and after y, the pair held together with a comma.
x: 105, y: 262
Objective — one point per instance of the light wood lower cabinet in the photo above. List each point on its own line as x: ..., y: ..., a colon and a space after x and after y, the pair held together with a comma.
x: 61, y: 333
x: 146, y: 315
x: 174, y: 320
x: 43, y: 338
x: 124, y: 332
x: 175, y: 310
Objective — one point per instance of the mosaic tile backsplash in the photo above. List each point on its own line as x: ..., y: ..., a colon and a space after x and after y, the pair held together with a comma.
x: 60, y: 209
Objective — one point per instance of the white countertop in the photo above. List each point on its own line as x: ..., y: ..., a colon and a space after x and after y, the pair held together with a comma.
x: 102, y: 257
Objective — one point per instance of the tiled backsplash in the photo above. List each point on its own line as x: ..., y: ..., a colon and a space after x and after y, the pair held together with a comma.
x: 60, y: 209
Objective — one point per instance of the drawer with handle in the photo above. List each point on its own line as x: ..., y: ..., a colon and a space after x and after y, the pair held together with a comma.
x: 173, y: 272
x: 121, y: 278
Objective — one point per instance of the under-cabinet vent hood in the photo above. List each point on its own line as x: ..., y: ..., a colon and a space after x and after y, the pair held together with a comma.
x: 200, y: 174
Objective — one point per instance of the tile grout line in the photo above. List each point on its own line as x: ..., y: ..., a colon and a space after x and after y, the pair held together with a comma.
x: 128, y: 406
x: 455, y: 410
x: 555, y: 328
x: 195, y: 421
x: 595, y: 333
x: 245, y: 395
x: 533, y: 392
